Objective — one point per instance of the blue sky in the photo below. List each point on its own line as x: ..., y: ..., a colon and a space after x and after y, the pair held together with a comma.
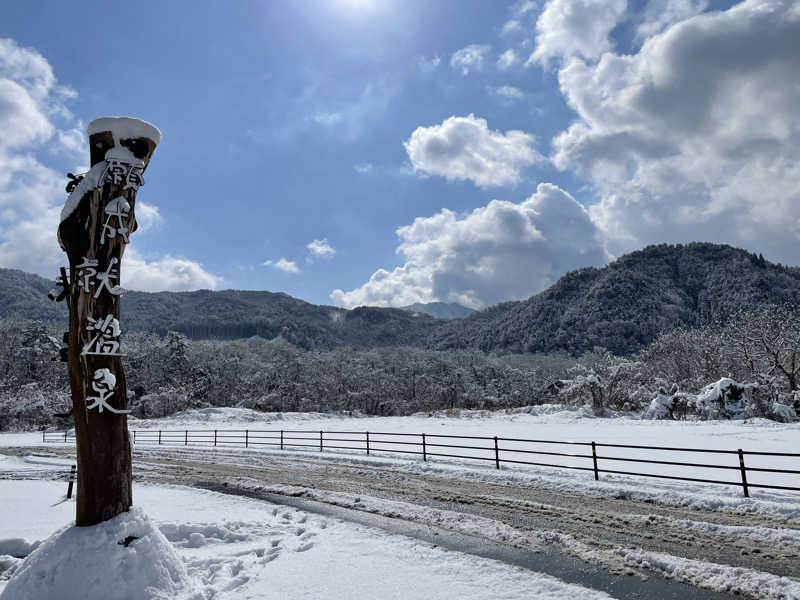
x: 394, y: 151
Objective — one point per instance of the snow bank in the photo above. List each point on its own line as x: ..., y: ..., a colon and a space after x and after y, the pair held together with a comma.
x: 228, y: 416
x: 561, y: 410
x: 87, y: 563
x: 723, y: 399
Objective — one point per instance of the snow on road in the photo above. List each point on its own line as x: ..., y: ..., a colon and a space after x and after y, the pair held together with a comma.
x: 236, y: 548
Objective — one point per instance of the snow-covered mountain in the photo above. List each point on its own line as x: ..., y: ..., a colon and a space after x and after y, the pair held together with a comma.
x: 622, y: 306
x: 440, y: 310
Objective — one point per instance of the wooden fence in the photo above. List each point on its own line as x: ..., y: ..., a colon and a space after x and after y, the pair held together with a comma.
x: 592, y: 456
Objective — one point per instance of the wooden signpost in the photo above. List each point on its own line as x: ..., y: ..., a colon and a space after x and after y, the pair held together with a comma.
x: 96, y: 223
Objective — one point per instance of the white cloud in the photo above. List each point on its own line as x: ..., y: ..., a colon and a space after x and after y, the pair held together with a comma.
x: 511, y: 26
x: 34, y: 117
x: 147, y: 215
x: 464, y: 148
x: 696, y: 136
x: 470, y: 58
x: 510, y: 92
x: 567, y: 28
x: 497, y: 252
x: 519, y: 11
x: 507, y: 60
x: 362, y: 167
x: 166, y: 273
x: 320, y: 249
x: 287, y: 266
x: 661, y: 14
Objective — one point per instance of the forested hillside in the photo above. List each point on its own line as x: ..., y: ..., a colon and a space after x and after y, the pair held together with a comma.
x: 628, y: 303
x: 622, y: 307
x: 441, y: 310
x: 229, y: 314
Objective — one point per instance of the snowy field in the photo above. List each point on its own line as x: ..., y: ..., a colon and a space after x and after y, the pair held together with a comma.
x: 236, y: 548
x: 233, y: 547
x: 547, y: 422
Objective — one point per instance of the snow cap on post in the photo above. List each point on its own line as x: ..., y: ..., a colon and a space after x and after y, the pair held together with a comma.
x: 137, y: 136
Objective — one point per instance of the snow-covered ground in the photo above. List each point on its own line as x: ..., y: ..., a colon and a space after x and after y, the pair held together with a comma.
x: 547, y: 422
x: 237, y: 548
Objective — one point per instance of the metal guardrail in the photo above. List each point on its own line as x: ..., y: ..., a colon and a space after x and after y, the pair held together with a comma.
x: 497, y: 450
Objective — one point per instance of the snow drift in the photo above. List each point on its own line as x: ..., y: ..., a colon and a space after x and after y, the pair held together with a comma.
x: 125, y: 558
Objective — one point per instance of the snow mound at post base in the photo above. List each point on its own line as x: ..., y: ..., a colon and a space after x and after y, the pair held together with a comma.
x: 90, y: 563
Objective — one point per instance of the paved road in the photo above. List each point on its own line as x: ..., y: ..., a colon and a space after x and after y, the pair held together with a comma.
x: 601, y: 524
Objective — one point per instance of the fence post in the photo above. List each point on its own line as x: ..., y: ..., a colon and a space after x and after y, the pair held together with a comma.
x: 496, y: 454
x: 594, y: 462
x: 320, y: 440
x: 65, y: 436
x: 367, y: 434
x: 159, y: 437
x: 281, y: 439
x: 43, y: 440
x: 246, y: 438
x: 215, y: 438
x: 186, y: 437
x: 71, y: 481
x: 743, y: 469
x: 424, y: 449
x: 134, y: 436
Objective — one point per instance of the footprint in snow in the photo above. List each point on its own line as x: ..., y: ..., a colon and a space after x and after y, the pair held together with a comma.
x: 270, y: 555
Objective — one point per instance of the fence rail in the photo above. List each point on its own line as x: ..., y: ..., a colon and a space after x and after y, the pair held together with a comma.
x: 497, y: 450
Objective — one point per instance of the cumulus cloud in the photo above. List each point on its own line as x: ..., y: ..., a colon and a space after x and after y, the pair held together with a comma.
x: 470, y: 58
x: 34, y: 116
x: 282, y: 264
x: 147, y: 215
x: 30, y: 192
x: 498, y: 252
x: 167, y: 273
x: 320, y: 249
x: 464, y: 148
x: 507, y: 59
x: 567, y: 28
x: 696, y: 136
x: 661, y: 14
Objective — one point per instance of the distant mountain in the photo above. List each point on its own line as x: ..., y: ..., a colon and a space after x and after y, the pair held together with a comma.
x: 24, y: 295
x: 440, y: 310
x: 629, y: 302
x: 622, y: 306
x: 229, y: 314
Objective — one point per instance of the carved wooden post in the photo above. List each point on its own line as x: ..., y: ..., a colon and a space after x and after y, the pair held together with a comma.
x: 96, y: 222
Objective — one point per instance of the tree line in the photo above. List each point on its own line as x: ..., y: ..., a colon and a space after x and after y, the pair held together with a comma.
x: 759, y: 351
